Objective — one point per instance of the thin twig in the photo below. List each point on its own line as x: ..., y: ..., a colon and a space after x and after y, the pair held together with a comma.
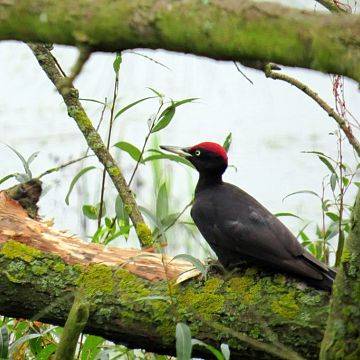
x: 242, y: 73
x: 77, y: 112
x: 84, y: 55
x: 269, y: 72
x: 116, y: 86
x: 334, y: 6
x: 62, y: 166
x: 145, y: 142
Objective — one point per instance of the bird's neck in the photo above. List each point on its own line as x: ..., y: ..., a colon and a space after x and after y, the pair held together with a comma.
x: 207, y: 180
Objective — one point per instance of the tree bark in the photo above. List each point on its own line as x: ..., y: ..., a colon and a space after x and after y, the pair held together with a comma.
x: 342, y: 336
x: 251, y: 311
x: 244, y: 31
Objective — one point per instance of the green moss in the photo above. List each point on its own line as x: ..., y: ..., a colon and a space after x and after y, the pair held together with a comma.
x: 204, y: 304
x: 240, y: 284
x: 39, y: 269
x: 144, y: 234
x: 97, y: 279
x: 213, y: 284
x: 15, y: 250
x: 59, y: 267
x: 130, y: 284
x: 286, y: 306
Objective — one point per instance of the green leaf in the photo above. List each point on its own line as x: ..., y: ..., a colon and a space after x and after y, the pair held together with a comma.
x: 7, y: 177
x: 227, y: 142
x: 24, y: 162
x: 162, y: 202
x: 225, y: 351
x: 4, y: 343
x: 32, y: 157
x: 157, y: 93
x: 196, y: 262
x: 131, y: 149
x: 302, y: 192
x: 117, y: 63
x: 346, y: 181
x: 334, y: 217
x: 165, y: 119
x: 91, y: 347
x: 22, y: 340
x: 120, y: 211
x: 92, y: 212
x: 218, y: 355
x: 127, y: 107
x: 280, y: 214
x: 185, y: 101
x: 357, y: 183
x: 327, y: 163
x: 333, y: 180
x: 46, y: 352
x: 183, y: 342
x: 160, y: 156
x: 75, y: 180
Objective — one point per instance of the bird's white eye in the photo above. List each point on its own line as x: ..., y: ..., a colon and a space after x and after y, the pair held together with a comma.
x: 197, y: 152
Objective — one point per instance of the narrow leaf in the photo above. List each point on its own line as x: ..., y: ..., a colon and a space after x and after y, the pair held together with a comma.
x: 75, y: 180
x: 7, y: 177
x: 183, y: 342
x: 117, y: 63
x: 157, y: 93
x: 165, y: 119
x: 181, y: 102
x: 333, y: 180
x: 327, y: 163
x: 162, y: 202
x: 225, y: 351
x: 334, y: 217
x: 227, y: 142
x: 196, y: 262
x: 32, y: 157
x: 22, y: 159
x: 218, y: 355
x: 302, y: 192
x: 127, y: 107
x: 4, y: 343
x: 280, y: 214
x: 131, y: 149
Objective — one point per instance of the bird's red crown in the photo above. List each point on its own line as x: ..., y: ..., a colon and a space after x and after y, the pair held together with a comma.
x: 213, y: 147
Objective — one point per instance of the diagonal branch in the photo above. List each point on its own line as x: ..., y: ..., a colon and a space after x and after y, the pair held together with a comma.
x: 77, y: 112
x: 269, y: 72
x: 333, y: 6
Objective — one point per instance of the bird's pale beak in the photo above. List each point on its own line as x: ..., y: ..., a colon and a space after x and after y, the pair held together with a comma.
x: 184, y: 152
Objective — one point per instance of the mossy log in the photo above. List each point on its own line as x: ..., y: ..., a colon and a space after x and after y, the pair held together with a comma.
x: 245, y: 31
x: 136, y: 298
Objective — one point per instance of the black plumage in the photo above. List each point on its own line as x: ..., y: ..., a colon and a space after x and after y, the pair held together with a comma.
x: 238, y: 227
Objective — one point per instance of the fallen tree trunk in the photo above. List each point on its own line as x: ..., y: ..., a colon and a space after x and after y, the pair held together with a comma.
x: 244, y: 31
x: 136, y: 298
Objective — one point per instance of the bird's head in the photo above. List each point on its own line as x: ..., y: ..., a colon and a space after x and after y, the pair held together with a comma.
x: 207, y: 157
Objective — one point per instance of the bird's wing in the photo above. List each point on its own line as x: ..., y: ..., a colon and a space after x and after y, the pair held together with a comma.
x: 253, y: 231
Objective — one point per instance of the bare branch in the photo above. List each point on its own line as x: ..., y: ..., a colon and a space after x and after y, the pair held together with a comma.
x: 77, y: 112
x: 269, y: 72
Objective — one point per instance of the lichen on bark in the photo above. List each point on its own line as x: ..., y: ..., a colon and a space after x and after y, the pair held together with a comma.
x: 269, y: 308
